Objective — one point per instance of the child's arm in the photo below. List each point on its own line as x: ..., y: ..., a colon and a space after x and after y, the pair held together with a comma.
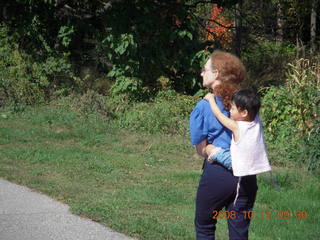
x: 225, y: 121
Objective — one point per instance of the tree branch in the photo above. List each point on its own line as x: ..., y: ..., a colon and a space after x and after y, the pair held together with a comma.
x: 216, y: 22
x: 106, y: 5
x: 203, y: 26
x: 197, y: 3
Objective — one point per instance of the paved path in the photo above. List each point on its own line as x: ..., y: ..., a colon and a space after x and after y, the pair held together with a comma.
x: 28, y: 215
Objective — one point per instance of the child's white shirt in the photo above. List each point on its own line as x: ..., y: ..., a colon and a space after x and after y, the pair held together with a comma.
x: 248, y: 154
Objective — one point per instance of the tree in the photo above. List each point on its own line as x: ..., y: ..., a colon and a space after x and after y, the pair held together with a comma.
x: 219, y: 29
x: 279, y: 31
x: 145, y: 40
x: 313, y: 28
x: 238, y: 23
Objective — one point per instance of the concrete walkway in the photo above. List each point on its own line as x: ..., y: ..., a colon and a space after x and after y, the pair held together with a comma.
x: 28, y: 215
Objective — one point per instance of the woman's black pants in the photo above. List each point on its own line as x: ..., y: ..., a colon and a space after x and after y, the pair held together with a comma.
x: 217, y: 191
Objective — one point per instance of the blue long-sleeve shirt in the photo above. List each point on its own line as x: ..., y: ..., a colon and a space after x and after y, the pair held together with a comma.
x: 204, y: 125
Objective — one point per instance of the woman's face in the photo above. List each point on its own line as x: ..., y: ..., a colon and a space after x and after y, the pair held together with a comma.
x: 209, y: 76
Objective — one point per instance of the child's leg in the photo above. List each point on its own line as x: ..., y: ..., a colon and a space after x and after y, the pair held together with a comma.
x: 223, y: 157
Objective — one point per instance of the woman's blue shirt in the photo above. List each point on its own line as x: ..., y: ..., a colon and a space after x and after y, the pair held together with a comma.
x: 204, y: 125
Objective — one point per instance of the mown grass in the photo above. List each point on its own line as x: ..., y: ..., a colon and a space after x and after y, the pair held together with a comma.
x: 138, y: 184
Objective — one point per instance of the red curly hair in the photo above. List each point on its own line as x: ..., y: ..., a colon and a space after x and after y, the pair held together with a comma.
x: 231, y: 73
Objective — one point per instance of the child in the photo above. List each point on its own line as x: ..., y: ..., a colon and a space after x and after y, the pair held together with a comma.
x: 247, y: 153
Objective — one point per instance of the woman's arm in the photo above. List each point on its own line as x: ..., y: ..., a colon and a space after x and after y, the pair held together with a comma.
x: 199, y: 128
x: 201, y: 148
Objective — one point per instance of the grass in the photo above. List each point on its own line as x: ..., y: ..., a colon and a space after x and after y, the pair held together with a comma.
x: 138, y: 184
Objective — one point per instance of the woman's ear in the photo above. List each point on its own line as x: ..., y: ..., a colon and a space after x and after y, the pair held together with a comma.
x: 217, y: 73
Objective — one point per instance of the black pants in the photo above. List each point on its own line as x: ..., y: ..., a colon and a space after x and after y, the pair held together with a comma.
x: 217, y: 191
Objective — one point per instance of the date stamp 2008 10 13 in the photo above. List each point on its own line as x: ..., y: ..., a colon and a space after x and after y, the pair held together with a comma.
x: 279, y: 214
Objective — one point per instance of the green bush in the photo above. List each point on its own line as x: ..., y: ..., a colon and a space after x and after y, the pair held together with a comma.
x: 128, y: 89
x: 90, y: 104
x: 20, y: 82
x: 279, y: 116
x: 167, y: 114
x: 26, y: 81
x: 266, y: 63
x: 291, y: 116
x: 312, y: 159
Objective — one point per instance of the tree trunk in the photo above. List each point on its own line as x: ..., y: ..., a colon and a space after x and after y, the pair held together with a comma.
x: 313, y: 27
x: 279, y: 32
x: 238, y: 23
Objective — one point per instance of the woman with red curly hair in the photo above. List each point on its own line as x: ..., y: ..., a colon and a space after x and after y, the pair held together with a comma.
x: 222, y: 73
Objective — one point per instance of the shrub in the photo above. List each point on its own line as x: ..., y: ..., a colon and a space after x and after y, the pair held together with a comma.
x: 266, y: 63
x: 167, y: 114
x: 87, y: 105
x: 312, y: 159
x: 291, y: 116
x: 26, y: 81
x: 128, y: 89
x: 19, y: 83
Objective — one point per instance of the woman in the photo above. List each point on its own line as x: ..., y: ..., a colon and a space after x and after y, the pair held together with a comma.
x: 222, y: 73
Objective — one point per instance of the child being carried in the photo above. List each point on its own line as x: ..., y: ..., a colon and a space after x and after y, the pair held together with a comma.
x: 247, y: 154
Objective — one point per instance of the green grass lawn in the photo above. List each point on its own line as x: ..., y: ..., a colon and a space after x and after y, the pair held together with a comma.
x: 141, y: 185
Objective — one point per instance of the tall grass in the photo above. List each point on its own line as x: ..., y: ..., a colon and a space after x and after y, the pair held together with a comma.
x: 291, y: 116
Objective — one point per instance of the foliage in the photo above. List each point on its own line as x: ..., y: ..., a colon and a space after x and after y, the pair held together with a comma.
x: 291, y: 115
x: 65, y: 34
x: 265, y: 19
x: 123, y: 41
x: 27, y: 80
x: 147, y: 39
x: 128, y: 89
x: 21, y: 80
x: 167, y: 114
x: 219, y: 29
x: 90, y: 104
x: 266, y: 63
x: 312, y: 159
x: 135, y: 51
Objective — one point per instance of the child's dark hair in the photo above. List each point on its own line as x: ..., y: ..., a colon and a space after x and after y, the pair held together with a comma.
x: 247, y: 99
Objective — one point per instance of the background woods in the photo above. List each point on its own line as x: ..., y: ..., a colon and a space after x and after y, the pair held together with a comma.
x: 149, y: 52
x: 111, y: 42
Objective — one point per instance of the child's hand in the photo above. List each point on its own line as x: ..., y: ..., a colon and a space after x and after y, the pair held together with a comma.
x: 209, y: 96
x: 211, y: 151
